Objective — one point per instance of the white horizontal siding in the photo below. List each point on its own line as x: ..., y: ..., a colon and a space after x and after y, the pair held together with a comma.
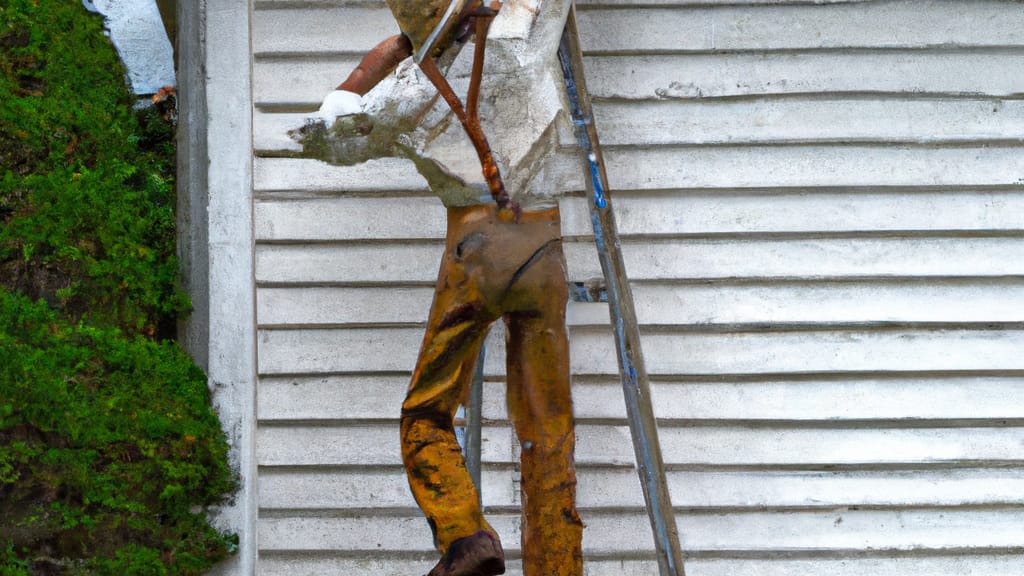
x: 919, y: 24
x: 952, y: 565
x: 667, y: 213
x: 820, y: 204
x: 624, y: 533
x: 727, y: 167
x: 891, y: 25
x: 328, y: 350
x: 761, y: 303
x: 792, y: 120
x: 946, y: 72
x: 668, y: 260
x: 814, y: 399
x: 322, y: 444
x: 314, y: 489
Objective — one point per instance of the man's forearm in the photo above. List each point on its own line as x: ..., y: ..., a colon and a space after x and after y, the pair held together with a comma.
x: 378, y: 63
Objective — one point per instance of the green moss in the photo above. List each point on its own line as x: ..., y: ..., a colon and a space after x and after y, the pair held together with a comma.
x: 86, y: 189
x: 109, y: 449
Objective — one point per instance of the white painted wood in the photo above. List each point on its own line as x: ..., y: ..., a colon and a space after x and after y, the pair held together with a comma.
x: 293, y: 4
x: 716, y: 167
x: 663, y: 213
x: 299, y: 83
x: 910, y: 565
x: 601, y: 444
x: 779, y: 304
x: 365, y: 444
x: 333, y: 306
x: 907, y: 399
x: 729, y: 167
x: 291, y: 82
x: 302, y: 82
x: 807, y: 119
x: 331, y: 397
x: 890, y: 25
x: 918, y: 24
x: 897, y: 350
x: 812, y: 166
x: 348, y: 264
x: 347, y: 218
x: 960, y: 565
x: 318, y: 490
x: 823, y: 211
x: 746, y: 74
x: 686, y: 3
x: 320, y: 351
x: 779, y: 446
x: 270, y: 130
x: 818, y: 303
x: 311, y: 176
x: 814, y: 258
x: 320, y: 29
x: 928, y: 398
x: 673, y: 260
x: 628, y: 533
x: 791, y: 120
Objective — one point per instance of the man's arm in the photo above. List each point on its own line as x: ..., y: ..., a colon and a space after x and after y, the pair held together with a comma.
x: 377, y: 64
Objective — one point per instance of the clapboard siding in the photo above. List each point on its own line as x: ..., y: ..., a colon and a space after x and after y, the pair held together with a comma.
x: 667, y: 260
x: 912, y: 565
x: 814, y: 399
x: 821, y: 209
x: 948, y: 72
x: 940, y: 72
x: 726, y: 166
x: 792, y: 120
x: 921, y: 24
x: 326, y: 444
x: 721, y: 303
x: 313, y: 489
x: 667, y: 214
x: 623, y: 533
x: 809, y: 119
x: 691, y: 352
x: 896, y: 25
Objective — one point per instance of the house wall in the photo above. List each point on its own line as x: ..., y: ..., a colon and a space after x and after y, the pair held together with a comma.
x: 820, y: 204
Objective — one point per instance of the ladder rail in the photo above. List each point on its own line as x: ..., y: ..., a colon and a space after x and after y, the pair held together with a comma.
x: 632, y: 370
x: 474, y: 424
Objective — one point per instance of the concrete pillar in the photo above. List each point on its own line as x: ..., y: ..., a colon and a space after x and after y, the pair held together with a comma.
x: 215, y: 235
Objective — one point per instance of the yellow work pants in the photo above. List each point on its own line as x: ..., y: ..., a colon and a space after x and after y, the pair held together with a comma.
x: 515, y: 270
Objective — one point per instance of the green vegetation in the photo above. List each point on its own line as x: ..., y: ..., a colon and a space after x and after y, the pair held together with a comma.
x: 109, y: 449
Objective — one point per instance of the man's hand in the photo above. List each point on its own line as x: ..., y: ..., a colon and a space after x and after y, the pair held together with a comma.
x: 338, y: 103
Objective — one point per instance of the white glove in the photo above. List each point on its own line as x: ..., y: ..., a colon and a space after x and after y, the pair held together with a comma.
x: 338, y: 103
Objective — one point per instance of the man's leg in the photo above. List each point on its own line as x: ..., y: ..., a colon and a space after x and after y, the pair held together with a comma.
x: 437, y: 473
x: 431, y: 454
x: 493, y: 266
x: 540, y: 406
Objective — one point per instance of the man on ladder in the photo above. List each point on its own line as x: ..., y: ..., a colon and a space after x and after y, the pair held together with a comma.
x: 503, y: 259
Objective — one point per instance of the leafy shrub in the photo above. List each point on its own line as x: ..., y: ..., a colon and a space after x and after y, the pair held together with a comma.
x: 109, y: 450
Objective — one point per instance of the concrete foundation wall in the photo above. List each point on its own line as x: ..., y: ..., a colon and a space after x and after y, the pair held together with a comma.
x: 215, y: 240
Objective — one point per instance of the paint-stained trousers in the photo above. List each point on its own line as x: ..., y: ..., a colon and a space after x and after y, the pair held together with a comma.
x: 493, y: 268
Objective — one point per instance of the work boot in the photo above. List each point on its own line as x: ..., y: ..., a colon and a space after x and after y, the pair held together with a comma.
x: 476, y: 555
